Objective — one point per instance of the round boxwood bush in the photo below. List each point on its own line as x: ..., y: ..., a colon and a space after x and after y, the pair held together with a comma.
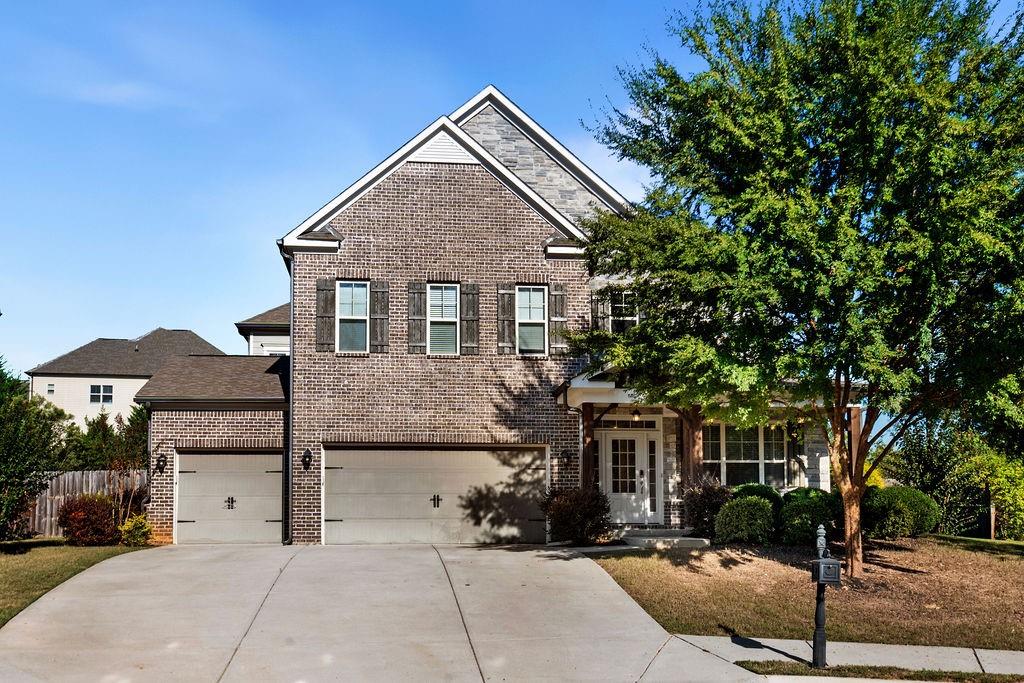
x: 745, y: 520
x: 898, y: 512
x: 577, y: 515
x: 760, y: 491
x: 800, y: 517
x: 89, y: 520
x: 701, y: 503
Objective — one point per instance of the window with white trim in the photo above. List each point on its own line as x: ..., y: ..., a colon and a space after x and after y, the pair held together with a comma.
x: 49, y: 389
x: 531, y: 320
x: 736, y: 455
x: 101, y: 393
x: 353, y: 317
x: 443, y: 320
x: 623, y: 311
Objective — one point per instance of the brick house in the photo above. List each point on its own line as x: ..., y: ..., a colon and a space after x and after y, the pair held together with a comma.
x: 429, y: 394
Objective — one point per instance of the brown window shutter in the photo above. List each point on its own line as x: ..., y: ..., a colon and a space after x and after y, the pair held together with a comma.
x: 417, y: 317
x: 325, y: 313
x: 600, y: 311
x: 557, y: 320
x: 506, y: 318
x: 469, y: 314
x: 379, y: 313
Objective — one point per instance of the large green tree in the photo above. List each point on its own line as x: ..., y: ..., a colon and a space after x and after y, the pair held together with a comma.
x: 835, y: 220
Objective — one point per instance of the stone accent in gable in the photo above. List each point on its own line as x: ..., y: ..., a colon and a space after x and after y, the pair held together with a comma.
x: 530, y: 163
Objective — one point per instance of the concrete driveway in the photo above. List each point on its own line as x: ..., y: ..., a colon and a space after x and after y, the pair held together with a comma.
x: 244, y: 613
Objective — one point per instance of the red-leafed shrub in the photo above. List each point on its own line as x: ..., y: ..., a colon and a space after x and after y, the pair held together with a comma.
x: 89, y: 520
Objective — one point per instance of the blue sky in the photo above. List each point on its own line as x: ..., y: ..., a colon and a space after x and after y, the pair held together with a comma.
x: 153, y: 153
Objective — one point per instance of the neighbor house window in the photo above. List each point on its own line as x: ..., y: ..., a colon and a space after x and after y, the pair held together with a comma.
x: 531, y: 320
x: 735, y: 455
x: 443, y: 319
x: 100, y: 393
x: 353, y: 317
x: 49, y: 389
x: 623, y: 311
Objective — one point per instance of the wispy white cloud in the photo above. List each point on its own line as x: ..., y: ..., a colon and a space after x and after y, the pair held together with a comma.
x: 628, y: 178
x: 119, y: 94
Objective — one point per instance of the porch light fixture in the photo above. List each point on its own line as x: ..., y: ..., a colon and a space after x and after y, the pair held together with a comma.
x: 161, y: 463
x: 636, y: 415
x: 307, y: 459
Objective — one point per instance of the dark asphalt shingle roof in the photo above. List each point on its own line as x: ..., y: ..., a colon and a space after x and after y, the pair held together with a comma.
x: 140, y: 357
x: 219, y: 378
x: 279, y: 315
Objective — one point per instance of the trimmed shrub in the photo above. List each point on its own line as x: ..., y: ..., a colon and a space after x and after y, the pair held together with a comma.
x: 830, y: 499
x: 577, y: 515
x: 760, y: 491
x: 701, y: 504
x: 89, y: 520
x: 745, y: 520
x: 899, y: 511
x: 801, y: 515
x: 136, y: 530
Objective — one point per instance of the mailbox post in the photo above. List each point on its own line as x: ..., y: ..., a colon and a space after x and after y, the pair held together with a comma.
x: 825, y: 571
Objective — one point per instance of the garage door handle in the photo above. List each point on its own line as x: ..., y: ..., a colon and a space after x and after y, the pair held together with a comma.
x: 334, y: 520
x: 272, y: 472
x: 336, y: 467
x: 186, y: 471
x: 186, y: 521
x: 268, y: 521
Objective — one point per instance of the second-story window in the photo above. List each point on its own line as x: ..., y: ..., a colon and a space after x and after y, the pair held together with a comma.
x: 353, y: 317
x: 623, y: 311
x: 101, y: 393
x: 531, y: 320
x: 443, y: 319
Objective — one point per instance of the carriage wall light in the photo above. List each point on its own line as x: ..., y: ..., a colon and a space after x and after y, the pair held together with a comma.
x: 636, y: 415
x: 307, y: 459
x: 161, y: 463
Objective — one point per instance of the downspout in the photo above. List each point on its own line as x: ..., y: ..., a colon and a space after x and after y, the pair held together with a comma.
x: 286, y: 469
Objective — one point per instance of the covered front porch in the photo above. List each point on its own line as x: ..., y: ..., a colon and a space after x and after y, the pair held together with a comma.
x: 643, y: 456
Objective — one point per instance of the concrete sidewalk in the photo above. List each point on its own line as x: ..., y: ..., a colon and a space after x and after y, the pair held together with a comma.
x: 920, y: 657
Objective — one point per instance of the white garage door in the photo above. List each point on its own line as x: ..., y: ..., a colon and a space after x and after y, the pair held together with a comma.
x: 229, y: 498
x: 434, y: 496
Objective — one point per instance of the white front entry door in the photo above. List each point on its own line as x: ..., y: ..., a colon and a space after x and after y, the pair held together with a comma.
x: 631, y: 475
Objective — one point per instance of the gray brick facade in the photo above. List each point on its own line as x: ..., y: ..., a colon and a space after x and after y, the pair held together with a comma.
x: 428, y: 222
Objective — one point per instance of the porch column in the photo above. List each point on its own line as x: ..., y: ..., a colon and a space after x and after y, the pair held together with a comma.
x: 690, y: 443
x: 587, y: 456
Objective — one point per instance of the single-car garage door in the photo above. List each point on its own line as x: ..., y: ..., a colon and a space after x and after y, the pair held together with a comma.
x: 229, y: 498
x: 462, y: 495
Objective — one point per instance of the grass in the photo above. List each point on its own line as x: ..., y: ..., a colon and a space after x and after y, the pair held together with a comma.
x: 887, y: 673
x: 929, y: 591
x: 982, y: 545
x: 28, y: 569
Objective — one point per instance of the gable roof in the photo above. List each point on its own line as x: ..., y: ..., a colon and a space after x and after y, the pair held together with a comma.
x: 140, y: 357
x: 219, y: 378
x: 492, y: 97
x: 474, y: 152
x: 278, y: 316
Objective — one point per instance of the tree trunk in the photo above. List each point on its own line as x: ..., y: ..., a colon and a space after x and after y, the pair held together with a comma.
x: 853, y: 539
x: 690, y: 443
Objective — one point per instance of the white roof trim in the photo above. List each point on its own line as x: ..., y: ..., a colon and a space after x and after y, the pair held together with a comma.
x: 399, y: 157
x: 562, y: 156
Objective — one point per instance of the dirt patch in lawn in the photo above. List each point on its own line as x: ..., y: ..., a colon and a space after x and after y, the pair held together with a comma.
x: 925, y: 591
x: 886, y: 673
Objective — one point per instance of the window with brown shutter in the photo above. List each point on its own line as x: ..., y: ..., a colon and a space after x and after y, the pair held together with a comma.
x: 506, y: 318
x: 469, y: 310
x: 380, y: 306
x: 600, y: 310
x: 325, y: 314
x: 417, y: 317
x: 557, y: 320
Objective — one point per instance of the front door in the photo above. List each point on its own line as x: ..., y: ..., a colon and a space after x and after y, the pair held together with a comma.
x: 630, y: 475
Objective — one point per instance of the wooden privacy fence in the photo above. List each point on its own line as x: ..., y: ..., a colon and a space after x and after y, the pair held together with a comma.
x: 43, y: 515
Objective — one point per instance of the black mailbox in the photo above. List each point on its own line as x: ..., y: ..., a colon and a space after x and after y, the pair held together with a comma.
x: 827, y: 571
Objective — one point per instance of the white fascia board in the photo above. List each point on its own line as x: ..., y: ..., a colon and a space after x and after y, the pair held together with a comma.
x: 533, y: 130
x: 400, y: 156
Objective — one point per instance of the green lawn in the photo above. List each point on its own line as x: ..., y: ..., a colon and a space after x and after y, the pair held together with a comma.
x: 28, y: 569
x: 929, y: 591
x: 887, y: 673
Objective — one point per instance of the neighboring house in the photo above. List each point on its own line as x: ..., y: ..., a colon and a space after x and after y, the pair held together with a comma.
x: 430, y: 395
x: 267, y: 334
x: 105, y: 374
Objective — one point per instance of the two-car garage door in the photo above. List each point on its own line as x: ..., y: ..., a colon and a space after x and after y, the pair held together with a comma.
x: 461, y: 495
